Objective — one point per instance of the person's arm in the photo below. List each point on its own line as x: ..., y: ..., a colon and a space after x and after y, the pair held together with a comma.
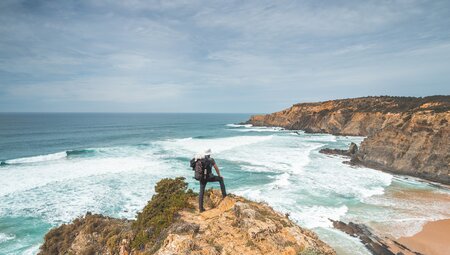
x: 217, y: 170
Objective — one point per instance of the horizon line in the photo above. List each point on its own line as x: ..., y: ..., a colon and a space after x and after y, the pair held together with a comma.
x: 94, y: 112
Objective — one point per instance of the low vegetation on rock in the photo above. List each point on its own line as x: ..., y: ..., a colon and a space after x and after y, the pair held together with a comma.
x: 170, y: 224
x: 160, y: 212
x: 98, y: 234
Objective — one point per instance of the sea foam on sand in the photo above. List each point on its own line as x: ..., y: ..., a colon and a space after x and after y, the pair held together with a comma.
x: 433, y: 239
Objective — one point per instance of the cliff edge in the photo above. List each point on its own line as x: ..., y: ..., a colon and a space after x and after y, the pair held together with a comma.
x: 171, y: 224
x: 405, y: 135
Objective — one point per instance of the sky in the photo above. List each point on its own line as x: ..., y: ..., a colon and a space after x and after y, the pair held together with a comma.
x: 217, y: 56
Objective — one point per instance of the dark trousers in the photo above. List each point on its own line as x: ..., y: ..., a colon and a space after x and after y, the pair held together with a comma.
x: 211, y: 178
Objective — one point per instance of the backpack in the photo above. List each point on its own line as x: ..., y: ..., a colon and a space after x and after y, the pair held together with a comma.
x: 200, y: 168
x: 192, y: 163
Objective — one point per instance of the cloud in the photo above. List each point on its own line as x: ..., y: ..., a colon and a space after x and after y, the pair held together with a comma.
x: 108, y: 89
x: 238, y: 56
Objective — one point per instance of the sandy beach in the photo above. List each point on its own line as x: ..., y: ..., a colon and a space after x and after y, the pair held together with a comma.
x: 433, y: 239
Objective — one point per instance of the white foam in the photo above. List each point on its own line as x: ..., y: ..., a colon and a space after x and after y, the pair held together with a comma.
x: 343, y: 243
x: 253, y: 194
x: 355, y: 139
x: 309, y: 184
x: 256, y: 169
x: 297, y: 132
x: 6, y: 237
x: 60, y: 191
x: 333, y: 178
x: 280, y: 154
x: 119, y: 180
x: 40, y: 158
x: 405, y: 211
x: 21, y: 177
x: 32, y: 250
x: 298, y: 173
x: 365, y: 193
x: 187, y: 146
x: 282, y: 181
x: 319, y: 138
x: 402, y: 227
x: 318, y: 216
x: 239, y: 125
x: 260, y: 129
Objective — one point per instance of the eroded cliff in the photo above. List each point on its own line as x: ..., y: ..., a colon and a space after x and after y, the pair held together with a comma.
x: 171, y: 224
x: 405, y: 135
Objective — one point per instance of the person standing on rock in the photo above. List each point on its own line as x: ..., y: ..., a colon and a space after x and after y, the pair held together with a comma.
x: 206, y: 163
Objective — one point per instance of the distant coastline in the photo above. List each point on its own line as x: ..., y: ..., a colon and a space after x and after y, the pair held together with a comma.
x: 405, y: 135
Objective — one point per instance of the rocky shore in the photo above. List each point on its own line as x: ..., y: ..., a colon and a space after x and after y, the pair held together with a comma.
x: 405, y: 135
x: 171, y: 224
x: 377, y: 245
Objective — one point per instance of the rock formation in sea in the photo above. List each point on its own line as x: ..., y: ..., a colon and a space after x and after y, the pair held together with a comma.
x: 170, y: 224
x: 376, y: 244
x: 405, y: 135
x: 351, y: 151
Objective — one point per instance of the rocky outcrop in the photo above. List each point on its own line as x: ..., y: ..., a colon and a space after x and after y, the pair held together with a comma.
x: 357, y: 116
x: 92, y: 234
x: 420, y: 147
x: 351, y: 151
x: 239, y: 226
x: 377, y: 245
x: 405, y: 135
x: 232, y: 225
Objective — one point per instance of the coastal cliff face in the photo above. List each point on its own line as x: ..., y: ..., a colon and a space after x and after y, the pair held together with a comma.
x: 232, y: 225
x: 405, y: 135
x: 419, y: 147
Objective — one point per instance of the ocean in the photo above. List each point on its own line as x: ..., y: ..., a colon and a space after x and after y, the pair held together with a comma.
x: 58, y: 166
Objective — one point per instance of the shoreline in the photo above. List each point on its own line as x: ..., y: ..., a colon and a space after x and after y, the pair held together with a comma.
x: 357, y: 162
x: 433, y: 239
x: 403, y: 135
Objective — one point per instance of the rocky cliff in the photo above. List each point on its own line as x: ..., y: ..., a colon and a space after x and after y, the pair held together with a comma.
x: 171, y: 224
x: 405, y: 135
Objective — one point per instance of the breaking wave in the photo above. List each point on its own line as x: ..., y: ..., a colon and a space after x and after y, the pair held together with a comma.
x: 35, y: 159
x: 187, y: 146
x: 49, y: 157
x: 6, y: 237
x: 84, y: 152
x: 251, y: 128
x: 239, y: 125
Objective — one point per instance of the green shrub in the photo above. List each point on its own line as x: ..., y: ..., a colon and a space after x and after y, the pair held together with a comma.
x: 147, y: 231
x: 310, y: 251
x: 160, y: 212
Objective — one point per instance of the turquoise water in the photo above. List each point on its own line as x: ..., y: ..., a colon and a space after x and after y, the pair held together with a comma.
x: 56, y: 167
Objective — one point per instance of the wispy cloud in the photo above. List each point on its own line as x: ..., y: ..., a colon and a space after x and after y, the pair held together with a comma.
x: 237, y: 56
x: 106, y: 89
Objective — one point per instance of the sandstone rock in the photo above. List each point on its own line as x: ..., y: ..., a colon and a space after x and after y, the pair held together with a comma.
x: 351, y: 151
x: 421, y: 148
x: 87, y: 235
x: 405, y: 135
x: 353, y: 148
x: 124, y: 247
x: 232, y: 225
x: 182, y: 227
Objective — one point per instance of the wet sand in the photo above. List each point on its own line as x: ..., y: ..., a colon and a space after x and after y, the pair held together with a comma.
x: 434, y: 239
